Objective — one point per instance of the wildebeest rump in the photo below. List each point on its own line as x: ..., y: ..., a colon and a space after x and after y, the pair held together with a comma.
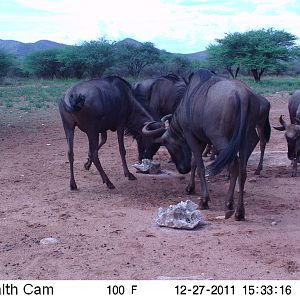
x: 160, y: 97
x: 292, y: 133
x: 96, y: 106
x: 217, y: 111
x: 263, y: 129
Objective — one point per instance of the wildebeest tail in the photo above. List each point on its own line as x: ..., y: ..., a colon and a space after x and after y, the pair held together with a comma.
x: 75, y: 102
x: 226, y: 156
x: 267, y: 129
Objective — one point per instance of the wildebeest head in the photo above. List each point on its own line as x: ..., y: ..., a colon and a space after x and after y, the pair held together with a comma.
x: 292, y: 135
x: 176, y: 145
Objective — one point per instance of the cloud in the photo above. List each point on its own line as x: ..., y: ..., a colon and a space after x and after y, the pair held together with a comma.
x: 183, y: 26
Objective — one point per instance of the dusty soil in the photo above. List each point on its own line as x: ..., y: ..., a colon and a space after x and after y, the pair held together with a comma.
x: 112, y: 234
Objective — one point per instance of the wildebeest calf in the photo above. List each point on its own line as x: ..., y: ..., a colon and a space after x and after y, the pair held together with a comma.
x: 96, y: 106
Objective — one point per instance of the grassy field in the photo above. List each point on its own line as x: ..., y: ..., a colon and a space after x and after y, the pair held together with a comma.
x: 29, y: 94
x: 32, y: 94
x: 273, y: 84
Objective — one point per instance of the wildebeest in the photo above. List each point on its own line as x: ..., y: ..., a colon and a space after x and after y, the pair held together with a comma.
x: 221, y: 112
x: 160, y: 97
x: 292, y: 131
x: 264, y: 132
x: 96, y: 106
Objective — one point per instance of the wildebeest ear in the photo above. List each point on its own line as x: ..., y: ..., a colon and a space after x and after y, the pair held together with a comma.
x: 166, y: 118
x: 280, y: 128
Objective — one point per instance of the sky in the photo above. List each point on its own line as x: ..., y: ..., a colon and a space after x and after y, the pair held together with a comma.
x: 178, y: 26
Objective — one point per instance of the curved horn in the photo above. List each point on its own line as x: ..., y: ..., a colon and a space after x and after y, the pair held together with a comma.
x: 297, y: 120
x: 167, y: 118
x: 154, y: 133
x: 282, y: 122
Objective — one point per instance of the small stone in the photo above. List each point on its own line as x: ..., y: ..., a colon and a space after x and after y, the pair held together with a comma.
x: 274, y: 223
x: 48, y: 144
x: 252, y: 180
x: 49, y: 241
x: 220, y: 218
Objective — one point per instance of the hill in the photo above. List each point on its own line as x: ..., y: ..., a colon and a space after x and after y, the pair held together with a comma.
x: 194, y: 56
x: 20, y: 49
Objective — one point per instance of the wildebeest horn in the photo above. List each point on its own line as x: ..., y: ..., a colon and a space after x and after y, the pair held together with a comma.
x: 166, y: 118
x: 154, y: 133
x: 297, y: 120
x: 283, y: 123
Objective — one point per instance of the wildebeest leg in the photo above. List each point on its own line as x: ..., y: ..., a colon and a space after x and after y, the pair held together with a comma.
x: 120, y: 133
x: 141, y: 149
x: 229, y: 199
x: 240, y: 209
x: 190, y: 189
x: 294, y: 170
x: 245, y: 152
x: 262, y: 143
x: 88, y: 163
x: 197, y: 150
x: 69, y: 132
x: 93, y: 150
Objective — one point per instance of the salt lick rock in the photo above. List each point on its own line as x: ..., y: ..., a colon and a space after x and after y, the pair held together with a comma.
x: 183, y: 215
x: 148, y: 166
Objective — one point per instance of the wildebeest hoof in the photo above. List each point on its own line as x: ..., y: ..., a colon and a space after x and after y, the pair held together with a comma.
x: 239, y: 217
x: 110, y: 185
x: 228, y: 214
x: 73, y: 186
x: 131, y: 177
x: 257, y: 172
x: 87, y: 165
x: 190, y: 190
x: 203, y: 205
x: 293, y: 174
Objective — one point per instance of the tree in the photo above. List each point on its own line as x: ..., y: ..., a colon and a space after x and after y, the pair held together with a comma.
x: 97, y: 56
x: 90, y: 59
x: 72, y: 62
x: 6, y: 62
x: 267, y: 49
x: 181, y: 65
x: 43, y: 63
x: 254, y: 50
x: 136, y: 57
x: 226, y: 53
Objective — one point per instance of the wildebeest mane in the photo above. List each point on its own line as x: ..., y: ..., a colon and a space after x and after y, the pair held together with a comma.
x: 199, y: 84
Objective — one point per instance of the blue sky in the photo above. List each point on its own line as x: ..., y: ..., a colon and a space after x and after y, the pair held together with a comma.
x: 180, y: 26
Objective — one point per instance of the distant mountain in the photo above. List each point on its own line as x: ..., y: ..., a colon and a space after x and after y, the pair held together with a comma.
x: 20, y: 49
x: 129, y: 41
x: 193, y: 56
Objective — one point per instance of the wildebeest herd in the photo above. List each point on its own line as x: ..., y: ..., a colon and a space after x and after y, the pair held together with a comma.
x: 206, y: 109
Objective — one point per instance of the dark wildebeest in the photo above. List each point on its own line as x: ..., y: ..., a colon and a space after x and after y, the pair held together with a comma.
x: 159, y: 97
x: 264, y: 132
x: 221, y: 112
x: 96, y: 106
x: 292, y: 133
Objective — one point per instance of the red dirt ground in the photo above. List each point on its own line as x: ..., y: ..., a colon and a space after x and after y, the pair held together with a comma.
x: 112, y: 234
